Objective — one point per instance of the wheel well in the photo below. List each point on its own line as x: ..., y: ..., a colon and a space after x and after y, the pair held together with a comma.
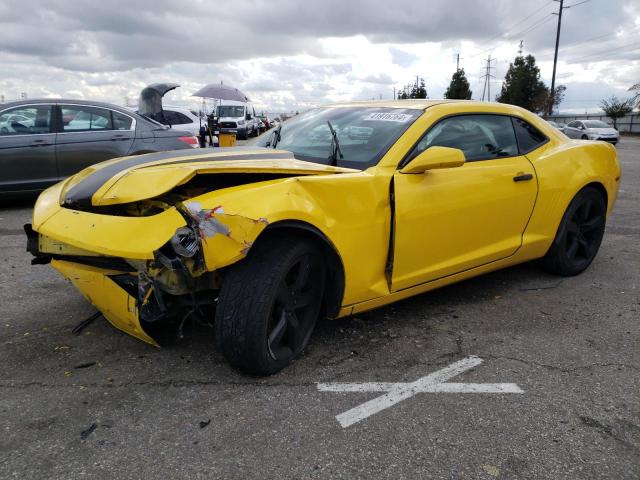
x: 335, y: 270
x: 600, y: 188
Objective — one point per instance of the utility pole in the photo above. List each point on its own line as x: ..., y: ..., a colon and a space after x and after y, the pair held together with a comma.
x: 555, y: 58
x: 520, y: 48
x: 457, y: 62
x: 487, y: 79
x: 394, y: 93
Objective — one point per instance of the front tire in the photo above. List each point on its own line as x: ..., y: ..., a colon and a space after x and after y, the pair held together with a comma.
x: 269, y: 304
x: 579, y: 236
x: 584, y: 137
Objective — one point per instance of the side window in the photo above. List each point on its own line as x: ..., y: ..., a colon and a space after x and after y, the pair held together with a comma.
x: 529, y: 138
x: 26, y: 120
x: 181, y: 119
x: 573, y: 124
x: 480, y: 137
x: 120, y: 121
x: 169, y: 117
x: 85, y: 119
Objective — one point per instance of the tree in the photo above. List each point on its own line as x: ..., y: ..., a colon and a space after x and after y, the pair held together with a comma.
x: 413, y: 90
x: 522, y: 85
x: 635, y: 100
x: 615, y: 108
x: 459, y: 87
x: 541, y: 102
x: 421, y: 90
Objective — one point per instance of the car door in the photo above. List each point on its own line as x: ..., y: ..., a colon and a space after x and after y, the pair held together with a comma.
x: 27, y: 148
x: 574, y: 129
x: 88, y: 135
x: 454, y: 219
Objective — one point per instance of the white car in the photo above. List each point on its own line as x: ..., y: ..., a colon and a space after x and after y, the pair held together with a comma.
x: 592, y: 130
x: 8, y: 122
x: 182, y: 119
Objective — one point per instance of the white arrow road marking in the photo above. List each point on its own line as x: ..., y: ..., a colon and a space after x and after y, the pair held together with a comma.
x: 396, y: 392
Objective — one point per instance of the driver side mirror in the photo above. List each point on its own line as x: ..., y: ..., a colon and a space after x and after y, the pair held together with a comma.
x: 433, y: 158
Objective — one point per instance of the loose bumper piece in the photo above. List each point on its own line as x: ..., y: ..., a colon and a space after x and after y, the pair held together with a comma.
x: 117, y: 306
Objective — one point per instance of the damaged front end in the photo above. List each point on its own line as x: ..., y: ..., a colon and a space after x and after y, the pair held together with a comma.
x: 146, y: 239
x: 179, y: 282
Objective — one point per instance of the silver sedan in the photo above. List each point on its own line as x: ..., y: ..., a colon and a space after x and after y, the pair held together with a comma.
x: 592, y: 130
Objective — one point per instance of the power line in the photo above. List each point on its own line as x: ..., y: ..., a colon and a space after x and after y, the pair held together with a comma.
x: 507, y: 34
x: 607, y: 52
x: 534, y: 26
x: 591, y: 39
x: 576, y: 4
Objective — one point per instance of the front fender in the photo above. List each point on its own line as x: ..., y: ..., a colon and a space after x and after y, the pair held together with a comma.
x: 352, y: 210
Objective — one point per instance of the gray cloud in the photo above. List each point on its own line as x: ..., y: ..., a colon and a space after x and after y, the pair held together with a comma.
x: 85, y: 35
x: 402, y: 58
x: 116, y: 46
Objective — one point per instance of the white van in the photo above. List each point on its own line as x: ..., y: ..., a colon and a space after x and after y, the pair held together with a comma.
x: 239, y: 118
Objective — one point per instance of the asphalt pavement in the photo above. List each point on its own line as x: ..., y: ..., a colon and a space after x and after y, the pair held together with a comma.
x: 561, y: 355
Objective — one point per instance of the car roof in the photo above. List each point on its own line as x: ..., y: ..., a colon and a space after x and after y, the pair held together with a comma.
x: 177, y: 108
x: 423, y: 104
x: 66, y: 101
x: 413, y: 103
x: 36, y: 101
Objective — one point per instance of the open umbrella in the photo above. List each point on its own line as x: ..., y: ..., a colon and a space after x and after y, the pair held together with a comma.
x: 221, y: 92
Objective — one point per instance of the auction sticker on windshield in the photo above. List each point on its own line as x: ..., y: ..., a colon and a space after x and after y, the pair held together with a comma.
x: 389, y: 117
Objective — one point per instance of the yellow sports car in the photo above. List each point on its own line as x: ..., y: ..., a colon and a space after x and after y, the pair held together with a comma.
x: 339, y: 210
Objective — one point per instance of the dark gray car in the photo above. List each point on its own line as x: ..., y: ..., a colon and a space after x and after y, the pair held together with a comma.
x: 45, y: 141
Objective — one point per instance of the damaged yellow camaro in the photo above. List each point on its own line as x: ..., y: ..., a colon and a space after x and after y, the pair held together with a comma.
x: 341, y: 209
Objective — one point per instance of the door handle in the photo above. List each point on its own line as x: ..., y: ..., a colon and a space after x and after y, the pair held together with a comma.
x: 119, y: 137
x: 40, y: 143
x: 523, y: 177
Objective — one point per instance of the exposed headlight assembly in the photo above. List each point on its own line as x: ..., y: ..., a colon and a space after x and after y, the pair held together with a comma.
x: 185, y: 242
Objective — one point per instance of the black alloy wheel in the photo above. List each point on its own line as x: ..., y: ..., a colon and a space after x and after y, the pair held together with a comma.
x: 295, y: 309
x: 269, y: 304
x: 580, y: 234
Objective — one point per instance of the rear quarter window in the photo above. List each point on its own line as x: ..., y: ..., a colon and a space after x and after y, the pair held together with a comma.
x: 529, y: 138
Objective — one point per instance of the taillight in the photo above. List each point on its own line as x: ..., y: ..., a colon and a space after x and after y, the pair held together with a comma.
x: 193, y: 141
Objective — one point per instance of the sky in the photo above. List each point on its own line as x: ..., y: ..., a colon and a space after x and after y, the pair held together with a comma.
x: 289, y: 55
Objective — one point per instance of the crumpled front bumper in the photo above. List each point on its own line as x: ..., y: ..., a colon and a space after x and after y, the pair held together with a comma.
x: 115, y: 303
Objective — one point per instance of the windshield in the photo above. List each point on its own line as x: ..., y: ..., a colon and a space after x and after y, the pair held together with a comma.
x: 364, y: 133
x: 595, y: 124
x: 231, y: 111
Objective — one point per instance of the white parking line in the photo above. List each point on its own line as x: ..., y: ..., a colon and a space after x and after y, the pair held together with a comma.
x: 396, y: 392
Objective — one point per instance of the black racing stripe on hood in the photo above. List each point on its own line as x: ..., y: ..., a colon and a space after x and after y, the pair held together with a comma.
x: 80, y: 194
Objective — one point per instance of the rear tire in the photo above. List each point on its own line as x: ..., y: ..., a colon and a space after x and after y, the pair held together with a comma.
x: 269, y: 304
x: 579, y: 236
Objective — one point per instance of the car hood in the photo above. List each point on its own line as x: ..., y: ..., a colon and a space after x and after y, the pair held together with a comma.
x: 230, y: 119
x: 131, y: 179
